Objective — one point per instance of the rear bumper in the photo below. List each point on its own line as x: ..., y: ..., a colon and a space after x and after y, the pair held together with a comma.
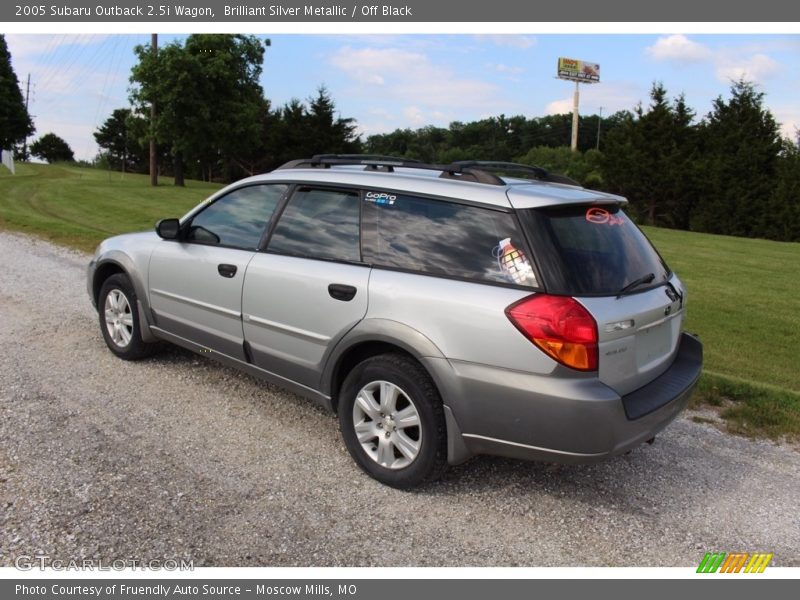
x: 558, y: 418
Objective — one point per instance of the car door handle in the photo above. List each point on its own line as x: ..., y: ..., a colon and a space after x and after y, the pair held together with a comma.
x: 226, y: 270
x: 340, y: 291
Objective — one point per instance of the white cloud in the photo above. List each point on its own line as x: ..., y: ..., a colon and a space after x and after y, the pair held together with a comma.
x: 678, y: 48
x: 522, y: 42
x: 558, y: 107
x: 411, y: 78
x: 371, y: 64
x: 730, y: 64
x: 755, y: 68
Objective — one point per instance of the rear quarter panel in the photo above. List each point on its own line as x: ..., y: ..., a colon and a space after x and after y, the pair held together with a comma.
x: 466, y: 321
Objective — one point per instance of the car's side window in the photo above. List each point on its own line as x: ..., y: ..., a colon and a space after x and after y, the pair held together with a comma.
x: 319, y: 223
x: 444, y: 238
x: 238, y: 219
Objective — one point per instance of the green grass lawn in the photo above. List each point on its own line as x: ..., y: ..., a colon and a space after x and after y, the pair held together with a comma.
x: 744, y: 294
x: 744, y: 301
x: 80, y: 207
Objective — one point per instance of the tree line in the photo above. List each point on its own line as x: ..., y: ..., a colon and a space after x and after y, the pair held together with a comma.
x: 729, y: 171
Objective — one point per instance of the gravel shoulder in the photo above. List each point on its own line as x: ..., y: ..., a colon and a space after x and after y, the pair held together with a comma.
x: 178, y: 457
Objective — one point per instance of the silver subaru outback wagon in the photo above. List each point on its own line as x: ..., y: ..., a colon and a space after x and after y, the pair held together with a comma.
x: 442, y: 311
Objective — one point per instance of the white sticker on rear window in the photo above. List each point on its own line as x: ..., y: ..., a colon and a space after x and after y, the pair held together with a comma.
x: 513, y: 263
x: 381, y: 198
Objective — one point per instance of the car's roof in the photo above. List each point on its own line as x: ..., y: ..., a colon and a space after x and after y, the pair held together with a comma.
x: 516, y: 193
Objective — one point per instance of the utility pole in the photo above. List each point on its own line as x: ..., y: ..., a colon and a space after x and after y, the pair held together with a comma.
x: 599, y: 121
x: 153, y: 152
x: 27, y: 96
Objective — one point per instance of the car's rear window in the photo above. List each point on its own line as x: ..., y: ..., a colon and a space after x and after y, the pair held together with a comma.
x: 590, y: 250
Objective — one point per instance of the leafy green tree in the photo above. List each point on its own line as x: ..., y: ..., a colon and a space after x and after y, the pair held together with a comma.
x: 584, y: 167
x: 228, y: 124
x: 208, y: 97
x: 495, y: 138
x: 120, y: 136
x: 396, y: 143
x: 430, y: 143
x: 52, y: 148
x: 741, y: 143
x: 15, y: 122
x: 167, y: 78
x: 556, y: 130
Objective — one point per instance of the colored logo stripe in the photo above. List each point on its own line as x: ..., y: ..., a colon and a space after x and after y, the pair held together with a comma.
x: 758, y: 563
x: 734, y: 562
x: 711, y: 562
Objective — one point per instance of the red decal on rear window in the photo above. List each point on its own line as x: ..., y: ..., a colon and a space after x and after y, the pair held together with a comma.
x: 600, y: 216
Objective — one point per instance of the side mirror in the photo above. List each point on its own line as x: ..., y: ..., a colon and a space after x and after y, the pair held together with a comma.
x: 168, y: 229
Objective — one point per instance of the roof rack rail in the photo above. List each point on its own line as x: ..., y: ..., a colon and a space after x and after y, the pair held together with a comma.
x: 376, y: 162
x: 368, y: 160
x: 538, y: 172
x: 476, y: 171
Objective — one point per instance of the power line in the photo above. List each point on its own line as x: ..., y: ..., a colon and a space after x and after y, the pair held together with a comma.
x: 103, y: 99
x: 73, y: 52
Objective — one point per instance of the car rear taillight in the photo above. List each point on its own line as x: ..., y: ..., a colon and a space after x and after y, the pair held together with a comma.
x: 560, y: 326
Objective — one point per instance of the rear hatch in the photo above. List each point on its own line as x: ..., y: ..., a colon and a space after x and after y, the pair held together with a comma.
x: 596, y: 254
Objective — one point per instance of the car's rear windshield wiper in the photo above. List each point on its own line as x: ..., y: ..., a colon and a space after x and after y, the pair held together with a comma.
x: 636, y: 283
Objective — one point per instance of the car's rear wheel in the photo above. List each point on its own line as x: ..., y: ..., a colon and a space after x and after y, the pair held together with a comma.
x: 392, y: 421
x: 119, y: 319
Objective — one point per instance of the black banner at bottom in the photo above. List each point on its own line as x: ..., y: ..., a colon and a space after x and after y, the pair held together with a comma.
x: 392, y: 589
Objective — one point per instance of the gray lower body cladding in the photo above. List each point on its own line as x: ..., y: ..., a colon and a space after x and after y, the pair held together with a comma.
x: 534, y: 417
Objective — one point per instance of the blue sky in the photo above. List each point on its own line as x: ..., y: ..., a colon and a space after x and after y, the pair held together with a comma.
x: 391, y: 81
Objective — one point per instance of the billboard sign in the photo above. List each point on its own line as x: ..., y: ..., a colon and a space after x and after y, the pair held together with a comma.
x: 578, y: 70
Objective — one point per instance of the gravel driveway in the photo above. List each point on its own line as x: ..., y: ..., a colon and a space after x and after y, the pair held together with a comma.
x: 177, y: 457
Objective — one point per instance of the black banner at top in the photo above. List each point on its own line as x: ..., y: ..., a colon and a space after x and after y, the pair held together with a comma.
x: 413, y: 11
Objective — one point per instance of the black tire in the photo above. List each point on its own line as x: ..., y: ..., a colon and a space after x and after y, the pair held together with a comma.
x: 134, y: 348
x: 417, y: 390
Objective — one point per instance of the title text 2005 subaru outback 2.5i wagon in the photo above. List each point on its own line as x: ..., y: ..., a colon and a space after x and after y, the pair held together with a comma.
x: 443, y: 311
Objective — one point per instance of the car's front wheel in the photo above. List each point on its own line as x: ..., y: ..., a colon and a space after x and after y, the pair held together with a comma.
x: 392, y: 421
x: 119, y: 319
